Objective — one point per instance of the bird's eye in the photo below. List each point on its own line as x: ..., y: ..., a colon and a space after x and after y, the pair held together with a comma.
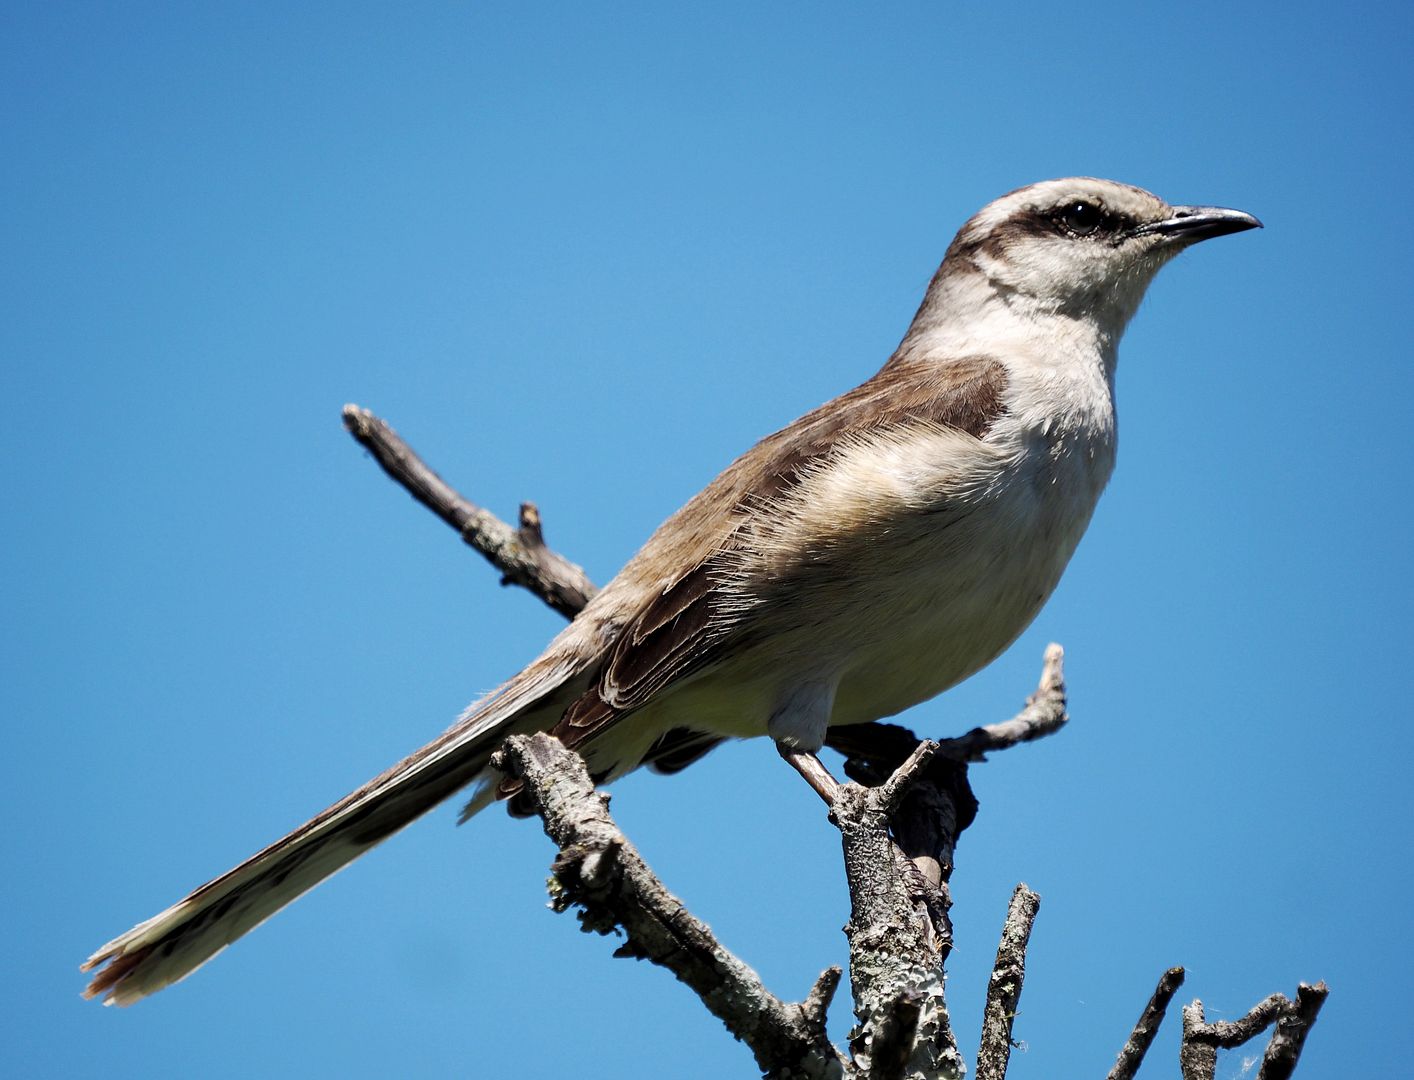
x: 1081, y: 218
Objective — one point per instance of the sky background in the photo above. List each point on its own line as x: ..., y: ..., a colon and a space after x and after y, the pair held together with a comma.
x: 585, y: 255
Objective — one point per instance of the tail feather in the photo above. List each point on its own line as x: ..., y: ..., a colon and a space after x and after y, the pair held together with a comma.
x: 171, y: 945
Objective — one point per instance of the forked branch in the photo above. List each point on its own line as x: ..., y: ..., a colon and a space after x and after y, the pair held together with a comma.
x: 1198, y: 1054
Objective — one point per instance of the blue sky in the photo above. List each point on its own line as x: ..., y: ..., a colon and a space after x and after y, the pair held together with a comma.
x: 585, y: 256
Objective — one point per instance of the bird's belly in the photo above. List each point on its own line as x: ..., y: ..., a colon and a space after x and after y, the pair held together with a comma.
x: 954, y: 630
x: 933, y: 651
x: 966, y: 595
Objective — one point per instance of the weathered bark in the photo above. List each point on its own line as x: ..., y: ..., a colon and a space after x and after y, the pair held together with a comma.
x: 1133, y: 1051
x: 1004, y: 987
x: 600, y: 872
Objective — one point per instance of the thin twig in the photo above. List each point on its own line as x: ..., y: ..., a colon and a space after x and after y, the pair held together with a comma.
x: 1132, y: 1054
x: 600, y: 871
x: 1004, y: 988
x: 519, y: 554
x: 1044, y: 715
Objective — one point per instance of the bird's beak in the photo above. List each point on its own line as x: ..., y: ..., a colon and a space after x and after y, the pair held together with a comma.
x: 1189, y: 224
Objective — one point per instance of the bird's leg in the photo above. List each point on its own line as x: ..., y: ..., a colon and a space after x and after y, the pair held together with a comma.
x: 813, y: 769
x: 800, y: 719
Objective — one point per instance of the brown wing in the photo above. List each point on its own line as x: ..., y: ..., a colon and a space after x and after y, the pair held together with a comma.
x: 691, y: 622
x: 675, y: 635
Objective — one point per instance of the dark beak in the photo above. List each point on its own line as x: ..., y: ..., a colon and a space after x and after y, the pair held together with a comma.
x: 1189, y: 224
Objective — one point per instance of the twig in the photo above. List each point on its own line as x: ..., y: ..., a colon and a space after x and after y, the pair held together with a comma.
x: 893, y: 790
x: 1132, y: 1054
x: 1044, y: 715
x: 601, y: 872
x: 1004, y: 988
x: 519, y: 554
x: 816, y: 1006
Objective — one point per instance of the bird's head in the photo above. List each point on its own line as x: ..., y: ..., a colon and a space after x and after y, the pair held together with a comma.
x: 1081, y: 246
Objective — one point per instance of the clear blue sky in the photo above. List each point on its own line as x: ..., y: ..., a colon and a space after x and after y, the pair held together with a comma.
x: 586, y: 256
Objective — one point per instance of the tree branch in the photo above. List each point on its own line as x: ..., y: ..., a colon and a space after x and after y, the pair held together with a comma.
x: 1197, y: 1056
x: 599, y: 871
x: 519, y: 554
x: 896, y: 944
x: 1198, y: 1053
x: 1004, y: 987
x: 1132, y: 1054
x: 1287, y: 1042
x: 1044, y: 715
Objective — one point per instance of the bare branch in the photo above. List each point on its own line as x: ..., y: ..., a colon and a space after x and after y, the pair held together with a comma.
x: 1229, y: 1033
x: 898, y: 932
x: 1287, y: 1042
x: 1004, y: 989
x: 905, y: 776
x: 895, y: 1032
x: 816, y: 1005
x: 899, y: 835
x: 519, y: 554
x: 1198, y: 1053
x: 1132, y: 1055
x: 601, y: 872
x: 1044, y: 715
x: 1197, y: 1056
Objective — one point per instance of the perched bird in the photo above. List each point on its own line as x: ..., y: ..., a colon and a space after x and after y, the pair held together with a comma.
x: 872, y: 554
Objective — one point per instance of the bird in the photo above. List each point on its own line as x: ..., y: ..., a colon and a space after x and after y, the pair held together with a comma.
x: 863, y: 559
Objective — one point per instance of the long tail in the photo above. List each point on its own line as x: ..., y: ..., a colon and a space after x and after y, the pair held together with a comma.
x: 170, y: 946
